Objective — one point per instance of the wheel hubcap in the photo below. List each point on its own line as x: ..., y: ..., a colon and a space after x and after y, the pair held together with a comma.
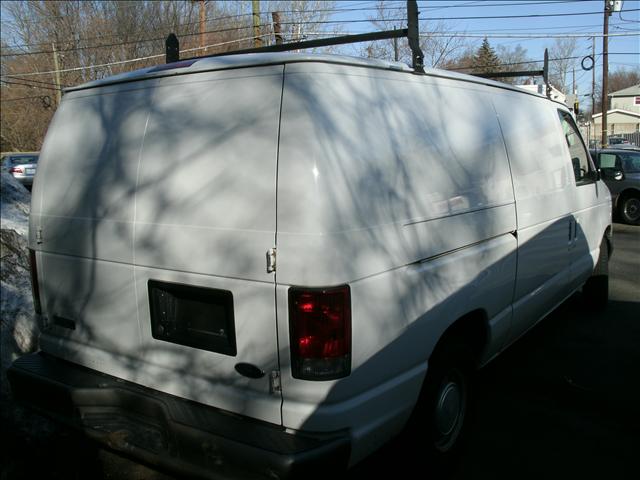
x: 450, y: 407
x: 632, y: 208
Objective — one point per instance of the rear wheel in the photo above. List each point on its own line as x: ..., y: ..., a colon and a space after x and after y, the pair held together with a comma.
x: 596, y: 288
x: 439, y: 420
x: 630, y: 209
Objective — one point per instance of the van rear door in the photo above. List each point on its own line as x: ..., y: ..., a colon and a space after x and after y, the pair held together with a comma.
x: 158, y: 205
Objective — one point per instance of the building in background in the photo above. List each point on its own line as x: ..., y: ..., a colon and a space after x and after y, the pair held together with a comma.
x: 623, y: 117
x: 541, y: 89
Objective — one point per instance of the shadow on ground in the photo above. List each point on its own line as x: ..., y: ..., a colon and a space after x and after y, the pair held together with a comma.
x: 561, y: 402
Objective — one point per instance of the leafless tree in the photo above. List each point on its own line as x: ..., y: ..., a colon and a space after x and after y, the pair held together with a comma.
x: 561, y: 53
x: 438, y: 45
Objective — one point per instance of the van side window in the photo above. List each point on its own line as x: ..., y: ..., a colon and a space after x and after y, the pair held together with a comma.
x: 579, y: 155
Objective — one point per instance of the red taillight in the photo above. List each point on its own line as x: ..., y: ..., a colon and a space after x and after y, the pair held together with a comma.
x: 16, y: 170
x: 35, y: 290
x: 320, y: 332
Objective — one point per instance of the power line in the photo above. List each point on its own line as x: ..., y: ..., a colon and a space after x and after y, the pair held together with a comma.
x: 459, y: 34
x: 351, y: 8
x: 500, y: 35
x: 207, y: 20
x: 492, y: 17
x: 27, y: 85
x: 88, y: 67
x: 540, y: 61
x: 40, y: 97
x: 120, y: 43
x: 305, y: 23
x: 121, y: 62
x: 34, y: 81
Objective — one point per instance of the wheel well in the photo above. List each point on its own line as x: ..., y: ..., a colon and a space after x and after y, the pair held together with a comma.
x: 629, y: 192
x: 472, y: 328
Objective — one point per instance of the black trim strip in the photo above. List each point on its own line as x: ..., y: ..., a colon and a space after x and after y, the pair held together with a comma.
x: 464, y: 247
x: 488, y: 207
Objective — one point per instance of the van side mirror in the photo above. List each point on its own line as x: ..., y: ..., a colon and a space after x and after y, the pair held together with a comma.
x: 618, y: 175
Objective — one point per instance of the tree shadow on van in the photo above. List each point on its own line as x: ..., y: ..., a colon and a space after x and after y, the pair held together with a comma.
x: 397, y: 185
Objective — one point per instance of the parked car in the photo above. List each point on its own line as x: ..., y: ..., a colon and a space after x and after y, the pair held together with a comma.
x: 22, y: 166
x: 329, y: 266
x: 620, y: 142
x: 621, y: 172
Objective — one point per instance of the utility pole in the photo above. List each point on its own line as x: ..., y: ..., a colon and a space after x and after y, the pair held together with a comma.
x: 277, y: 32
x: 395, y: 48
x: 593, y: 135
x: 593, y: 77
x: 202, y: 22
x: 574, y: 92
x: 56, y: 67
x: 257, y: 40
x: 605, y: 71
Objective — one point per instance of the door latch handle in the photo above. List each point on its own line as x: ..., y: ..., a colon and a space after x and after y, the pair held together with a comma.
x: 271, y: 260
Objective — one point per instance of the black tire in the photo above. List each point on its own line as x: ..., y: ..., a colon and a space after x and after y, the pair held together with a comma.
x: 439, y: 421
x: 596, y: 288
x: 629, y: 209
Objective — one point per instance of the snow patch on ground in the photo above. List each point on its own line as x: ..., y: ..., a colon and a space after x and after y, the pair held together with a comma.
x: 18, y: 333
x: 15, y: 201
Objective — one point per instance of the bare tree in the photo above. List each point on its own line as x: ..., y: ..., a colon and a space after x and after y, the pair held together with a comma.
x: 561, y: 54
x: 94, y: 39
x: 513, y: 59
x: 438, y: 46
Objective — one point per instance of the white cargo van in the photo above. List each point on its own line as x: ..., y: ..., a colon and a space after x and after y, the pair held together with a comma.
x: 262, y: 264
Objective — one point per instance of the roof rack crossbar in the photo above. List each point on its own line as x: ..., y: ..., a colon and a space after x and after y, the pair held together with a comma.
x: 411, y: 33
x: 544, y: 73
x: 321, y: 42
x: 523, y: 73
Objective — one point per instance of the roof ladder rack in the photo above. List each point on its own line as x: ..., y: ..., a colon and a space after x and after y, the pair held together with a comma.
x: 411, y: 33
x: 544, y: 73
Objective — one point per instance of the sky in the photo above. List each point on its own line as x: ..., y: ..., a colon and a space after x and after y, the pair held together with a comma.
x: 583, y: 17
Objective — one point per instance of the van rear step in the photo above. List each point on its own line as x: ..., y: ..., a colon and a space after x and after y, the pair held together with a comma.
x: 168, y: 431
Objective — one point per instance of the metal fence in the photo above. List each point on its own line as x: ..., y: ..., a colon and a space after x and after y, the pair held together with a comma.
x: 593, y: 137
x: 632, y: 137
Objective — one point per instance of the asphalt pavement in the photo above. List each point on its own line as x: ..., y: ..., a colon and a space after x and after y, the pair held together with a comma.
x: 563, y: 402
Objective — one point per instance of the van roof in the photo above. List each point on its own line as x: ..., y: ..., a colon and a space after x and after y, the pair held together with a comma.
x: 225, y: 62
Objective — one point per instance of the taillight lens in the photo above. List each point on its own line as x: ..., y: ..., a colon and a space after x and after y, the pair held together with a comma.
x: 16, y: 170
x: 320, y: 332
x: 35, y: 289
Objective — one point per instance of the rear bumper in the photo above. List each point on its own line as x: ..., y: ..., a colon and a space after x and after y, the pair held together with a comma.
x: 168, y: 431
x: 24, y: 179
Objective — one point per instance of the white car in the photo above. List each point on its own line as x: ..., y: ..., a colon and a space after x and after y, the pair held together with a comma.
x: 22, y: 166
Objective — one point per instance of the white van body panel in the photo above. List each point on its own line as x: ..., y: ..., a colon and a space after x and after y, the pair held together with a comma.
x: 543, y: 184
x: 360, y: 186
x: 391, y: 201
x: 398, y: 317
x: 172, y: 182
x: 552, y: 211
